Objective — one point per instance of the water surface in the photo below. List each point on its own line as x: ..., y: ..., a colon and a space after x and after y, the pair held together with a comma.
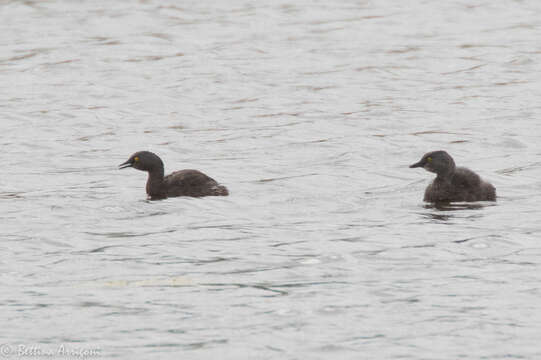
x: 310, y: 113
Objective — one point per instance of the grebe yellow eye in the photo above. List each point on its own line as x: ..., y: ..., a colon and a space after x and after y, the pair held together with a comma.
x: 429, y: 159
x: 136, y: 158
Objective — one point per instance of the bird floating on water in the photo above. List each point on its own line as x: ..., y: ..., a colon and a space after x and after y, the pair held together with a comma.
x: 453, y: 183
x: 179, y: 183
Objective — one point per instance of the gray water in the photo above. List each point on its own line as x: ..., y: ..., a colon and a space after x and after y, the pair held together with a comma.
x: 310, y: 113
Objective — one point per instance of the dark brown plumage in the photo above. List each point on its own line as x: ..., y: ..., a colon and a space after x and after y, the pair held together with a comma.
x: 453, y: 183
x: 179, y: 183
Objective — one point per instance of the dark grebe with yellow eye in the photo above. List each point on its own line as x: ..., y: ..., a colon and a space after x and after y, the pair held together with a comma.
x: 179, y: 183
x: 453, y: 183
